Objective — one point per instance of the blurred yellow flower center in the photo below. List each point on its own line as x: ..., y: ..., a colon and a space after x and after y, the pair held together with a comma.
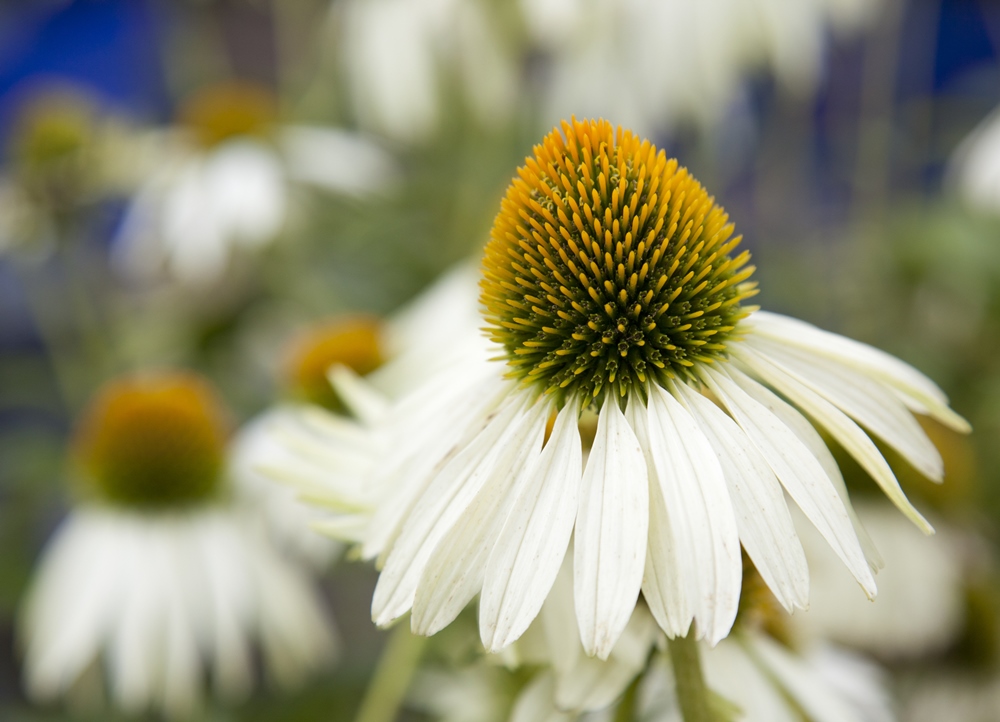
x: 220, y: 112
x: 354, y: 342
x: 608, y: 265
x: 153, y: 441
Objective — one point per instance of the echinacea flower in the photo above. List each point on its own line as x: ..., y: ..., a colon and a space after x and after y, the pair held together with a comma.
x: 222, y: 181
x: 314, y: 444
x: 612, y: 287
x: 156, y: 580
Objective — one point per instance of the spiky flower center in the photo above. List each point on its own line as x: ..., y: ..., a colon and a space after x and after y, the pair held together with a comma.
x: 609, y: 266
x: 228, y: 110
x: 353, y: 341
x: 153, y: 441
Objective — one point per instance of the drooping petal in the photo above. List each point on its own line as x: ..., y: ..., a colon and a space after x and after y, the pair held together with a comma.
x: 533, y: 542
x: 697, y: 500
x: 493, y: 451
x: 455, y: 570
x: 664, y: 578
x: 846, y: 432
x: 762, y: 516
x: 800, y: 425
x: 799, y: 472
x: 611, y: 528
x: 866, y: 401
x: 83, y: 565
x: 434, y: 420
x: 363, y: 399
x: 910, y: 383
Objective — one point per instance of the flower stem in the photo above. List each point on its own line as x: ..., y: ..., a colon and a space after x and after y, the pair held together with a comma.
x: 392, y: 676
x: 692, y: 693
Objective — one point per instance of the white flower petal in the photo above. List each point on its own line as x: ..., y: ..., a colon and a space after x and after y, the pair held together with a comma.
x: 435, y: 418
x: 803, y: 685
x: 592, y: 684
x: 440, y: 506
x: 732, y: 673
x: 910, y: 383
x: 532, y: 544
x: 557, y: 621
x: 611, y: 529
x: 798, y: 471
x: 63, y: 639
x: 846, y: 432
x: 865, y: 400
x: 663, y: 578
x: 230, y: 591
x: 536, y: 702
x: 697, y: 500
x: 137, y: 646
x: 364, y: 401
x: 455, y: 570
x: 800, y: 425
x: 762, y: 516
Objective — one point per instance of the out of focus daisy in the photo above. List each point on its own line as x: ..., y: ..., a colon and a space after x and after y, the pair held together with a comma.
x: 405, y: 58
x: 612, y: 289
x: 156, y: 580
x: 221, y: 181
x: 609, y: 58
x: 312, y: 439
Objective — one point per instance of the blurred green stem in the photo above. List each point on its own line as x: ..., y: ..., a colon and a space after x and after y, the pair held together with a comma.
x: 392, y: 676
x: 692, y: 692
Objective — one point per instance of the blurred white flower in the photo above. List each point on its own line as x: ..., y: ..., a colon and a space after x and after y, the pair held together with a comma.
x: 158, y: 579
x: 287, y: 520
x: 920, y: 608
x: 303, y: 449
x: 974, y: 168
x: 647, y: 63
x: 157, y: 602
x: 768, y: 682
x: 401, y: 55
x: 220, y: 185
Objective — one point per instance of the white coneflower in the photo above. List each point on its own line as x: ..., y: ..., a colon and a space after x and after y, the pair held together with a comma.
x: 222, y: 180
x: 312, y: 446
x: 608, y: 57
x: 269, y: 441
x: 610, y: 288
x: 156, y: 580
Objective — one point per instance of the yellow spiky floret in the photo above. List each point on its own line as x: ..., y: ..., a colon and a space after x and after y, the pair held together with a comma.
x: 609, y: 266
